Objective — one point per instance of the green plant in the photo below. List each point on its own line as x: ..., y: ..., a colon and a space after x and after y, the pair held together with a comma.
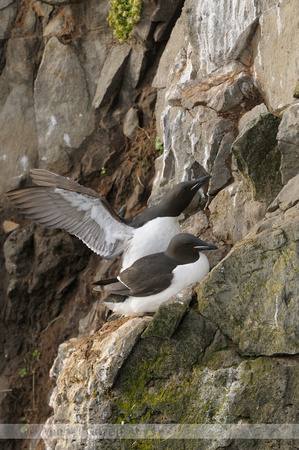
x: 23, y: 372
x: 36, y: 354
x: 122, y: 17
x: 32, y: 368
x: 159, y: 146
x: 24, y: 429
x: 103, y: 170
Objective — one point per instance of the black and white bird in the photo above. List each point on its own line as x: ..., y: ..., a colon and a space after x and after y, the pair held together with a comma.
x: 59, y: 202
x: 153, y: 279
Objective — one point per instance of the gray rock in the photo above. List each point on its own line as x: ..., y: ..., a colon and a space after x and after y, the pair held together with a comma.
x: 131, y: 124
x: 96, y: 14
x: 194, y: 377
x: 41, y: 264
x: 167, y: 319
x: 110, y: 348
x: 198, y: 134
x: 221, y: 173
x: 142, y: 30
x: 56, y: 26
x: 164, y: 14
x: 206, y: 29
x: 288, y: 142
x: 18, y: 137
x: 112, y: 71
x: 276, y: 69
x: 287, y: 197
x: 234, y: 212
x: 20, y: 54
x: 175, y: 44
x: 29, y: 25
x: 250, y: 116
x: 8, y: 12
x: 258, y: 157
x: 231, y: 96
x: 63, y: 112
x: 191, y: 143
x: 252, y: 294
x: 165, y: 10
x: 135, y: 68
x: 95, y: 48
x: 43, y: 11
x: 5, y: 4
x: 58, y: 2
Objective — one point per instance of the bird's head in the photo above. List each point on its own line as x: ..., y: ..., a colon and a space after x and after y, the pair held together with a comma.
x: 185, y: 248
x: 179, y: 197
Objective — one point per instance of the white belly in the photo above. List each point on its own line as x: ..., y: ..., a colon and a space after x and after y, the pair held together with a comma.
x: 184, y: 275
x: 153, y: 237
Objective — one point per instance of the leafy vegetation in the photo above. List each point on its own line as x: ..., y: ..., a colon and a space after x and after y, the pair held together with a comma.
x: 122, y: 17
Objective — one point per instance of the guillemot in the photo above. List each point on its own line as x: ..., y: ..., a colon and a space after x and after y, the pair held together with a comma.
x: 153, y: 279
x: 60, y: 202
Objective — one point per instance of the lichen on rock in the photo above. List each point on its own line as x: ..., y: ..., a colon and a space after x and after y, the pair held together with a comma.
x: 258, y: 157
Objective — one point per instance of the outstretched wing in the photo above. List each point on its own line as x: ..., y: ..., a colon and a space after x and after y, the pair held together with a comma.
x: 59, y: 202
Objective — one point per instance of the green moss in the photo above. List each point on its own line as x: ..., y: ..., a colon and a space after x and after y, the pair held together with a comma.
x: 258, y: 158
x: 166, y: 320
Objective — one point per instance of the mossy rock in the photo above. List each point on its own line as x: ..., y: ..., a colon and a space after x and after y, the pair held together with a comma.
x: 252, y: 295
x: 258, y: 157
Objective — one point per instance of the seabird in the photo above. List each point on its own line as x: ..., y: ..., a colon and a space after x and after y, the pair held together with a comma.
x: 155, y: 278
x: 60, y: 202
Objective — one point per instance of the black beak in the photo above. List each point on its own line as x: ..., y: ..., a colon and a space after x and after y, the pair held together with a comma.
x: 206, y: 246
x: 201, y: 182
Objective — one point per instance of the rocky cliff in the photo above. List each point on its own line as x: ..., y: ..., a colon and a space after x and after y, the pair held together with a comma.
x: 215, y: 86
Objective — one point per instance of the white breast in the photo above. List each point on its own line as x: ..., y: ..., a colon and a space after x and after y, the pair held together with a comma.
x: 153, y: 237
x: 184, y: 275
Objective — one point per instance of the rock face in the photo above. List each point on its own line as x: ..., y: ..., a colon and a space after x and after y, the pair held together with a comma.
x: 207, y: 79
x: 258, y: 157
x: 254, y: 290
x: 66, y: 102
x: 288, y: 142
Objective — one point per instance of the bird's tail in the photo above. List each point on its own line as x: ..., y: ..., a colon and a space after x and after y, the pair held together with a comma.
x: 101, y: 285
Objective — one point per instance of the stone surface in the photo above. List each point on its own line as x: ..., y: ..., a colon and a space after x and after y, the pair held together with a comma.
x: 61, y: 97
x: 233, y: 94
x: 131, y: 124
x: 221, y: 173
x: 274, y: 55
x: 107, y: 350
x: 176, y: 41
x: 258, y: 157
x: 248, y: 117
x: 18, y: 137
x: 234, y: 212
x: 9, y: 226
x: 252, y: 294
x: 109, y: 82
x: 58, y: 2
x: 191, y: 143
x: 35, y: 270
x: 95, y: 48
x: 288, y: 142
x: 8, y: 12
x: 194, y: 377
x: 212, y: 50
x: 287, y: 197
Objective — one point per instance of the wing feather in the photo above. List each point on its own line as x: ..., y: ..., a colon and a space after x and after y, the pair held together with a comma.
x: 58, y: 202
x: 147, y: 276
